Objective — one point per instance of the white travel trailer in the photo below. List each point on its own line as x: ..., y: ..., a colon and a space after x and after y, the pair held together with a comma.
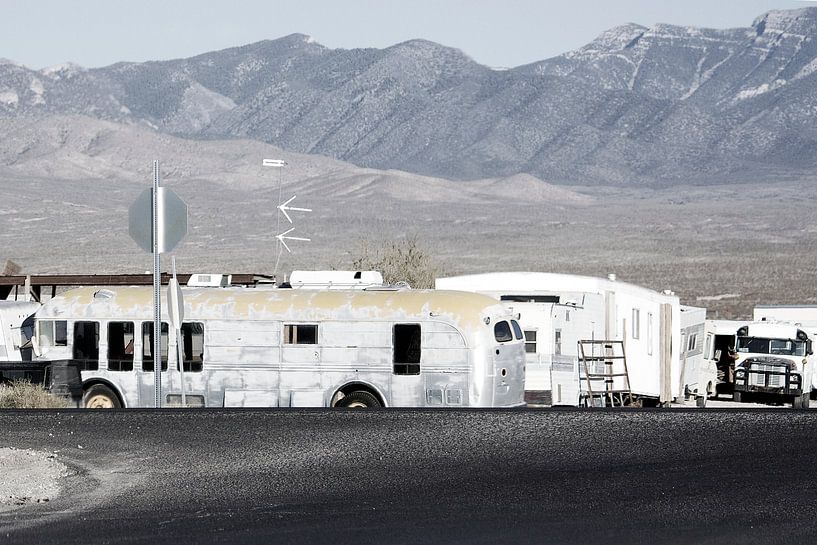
x: 699, y: 374
x: 291, y: 347
x: 647, y: 323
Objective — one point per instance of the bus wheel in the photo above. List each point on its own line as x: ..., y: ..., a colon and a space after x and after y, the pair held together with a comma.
x: 700, y: 401
x: 100, y: 396
x: 737, y: 396
x: 358, y: 400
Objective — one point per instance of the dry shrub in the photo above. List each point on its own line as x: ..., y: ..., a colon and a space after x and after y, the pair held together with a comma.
x: 403, y: 260
x: 22, y: 394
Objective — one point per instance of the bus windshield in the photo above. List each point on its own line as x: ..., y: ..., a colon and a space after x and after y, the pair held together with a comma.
x: 785, y: 347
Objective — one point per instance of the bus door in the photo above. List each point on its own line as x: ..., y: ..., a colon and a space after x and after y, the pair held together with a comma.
x: 300, y: 361
x: 146, y: 375
x: 195, y: 383
x: 407, y: 388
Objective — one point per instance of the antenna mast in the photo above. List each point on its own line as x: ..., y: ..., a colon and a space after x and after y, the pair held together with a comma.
x: 282, y: 208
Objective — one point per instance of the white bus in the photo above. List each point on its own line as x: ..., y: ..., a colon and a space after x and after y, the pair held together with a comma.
x: 774, y: 359
x: 277, y: 347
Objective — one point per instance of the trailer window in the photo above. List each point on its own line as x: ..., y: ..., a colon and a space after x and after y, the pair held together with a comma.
x: 530, y: 342
x: 300, y: 334
x: 502, y: 332
x: 692, y: 343
x: 147, y: 346
x: 120, y: 346
x: 557, y: 342
x: 636, y: 323
x: 407, y: 349
x: 52, y: 333
x: 86, y: 344
x: 193, y: 344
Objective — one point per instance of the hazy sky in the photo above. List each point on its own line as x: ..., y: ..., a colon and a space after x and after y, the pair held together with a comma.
x: 41, y: 33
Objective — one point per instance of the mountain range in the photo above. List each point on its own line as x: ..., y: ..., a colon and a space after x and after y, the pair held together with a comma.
x: 637, y: 106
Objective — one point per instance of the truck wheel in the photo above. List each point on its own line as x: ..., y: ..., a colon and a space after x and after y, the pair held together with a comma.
x: 358, y: 400
x: 100, y: 396
x: 737, y: 396
x: 700, y: 401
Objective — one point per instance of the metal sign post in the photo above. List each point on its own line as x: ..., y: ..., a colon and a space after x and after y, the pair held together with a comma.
x: 175, y: 308
x: 157, y: 296
x: 157, y: 221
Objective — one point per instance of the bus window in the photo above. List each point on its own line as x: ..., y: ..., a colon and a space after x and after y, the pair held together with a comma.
x: 120, y: 346
x: 300, y: 334
x: 193, y: 343
x: 517, y: 331
x: 86, y: 344
x: 147, y: 346
x: 502, y: 332
x: 52, y: 332
x: 407, y: 349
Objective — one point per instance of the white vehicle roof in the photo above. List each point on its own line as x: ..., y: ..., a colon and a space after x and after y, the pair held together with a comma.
x: 725, y: 327
x: 773, y: 330
x: 541, y: 282
x: 13, y: 313
x: 136, y: 302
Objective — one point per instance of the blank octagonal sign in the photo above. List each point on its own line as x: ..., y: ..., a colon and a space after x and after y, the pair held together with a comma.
x: 172, y: 216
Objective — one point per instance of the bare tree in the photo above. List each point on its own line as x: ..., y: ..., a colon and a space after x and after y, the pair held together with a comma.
x: 403, y: 260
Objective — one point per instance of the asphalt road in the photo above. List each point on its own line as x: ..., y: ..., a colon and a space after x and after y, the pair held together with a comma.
x: 419, y: 476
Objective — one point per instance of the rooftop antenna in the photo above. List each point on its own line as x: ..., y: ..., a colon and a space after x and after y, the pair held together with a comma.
x: 283, y: 207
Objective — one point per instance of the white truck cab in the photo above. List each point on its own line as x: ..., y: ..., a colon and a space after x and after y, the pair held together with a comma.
x: 773, y: 359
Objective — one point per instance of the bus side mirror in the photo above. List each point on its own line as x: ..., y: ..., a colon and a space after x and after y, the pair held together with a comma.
x: 809, y: 351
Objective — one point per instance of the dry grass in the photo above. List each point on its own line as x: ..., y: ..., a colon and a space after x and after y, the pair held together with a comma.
x: 22, y: 394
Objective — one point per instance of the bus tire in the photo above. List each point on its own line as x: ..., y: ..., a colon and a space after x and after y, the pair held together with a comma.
x: 737, y: 396
x: 358, y: 400
x: 100, y: 396
x: 700, y: 401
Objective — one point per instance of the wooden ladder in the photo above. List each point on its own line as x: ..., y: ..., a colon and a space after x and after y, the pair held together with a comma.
x: 605, y: 370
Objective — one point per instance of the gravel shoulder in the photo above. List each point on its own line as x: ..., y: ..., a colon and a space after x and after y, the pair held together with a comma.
x: 29, y: 477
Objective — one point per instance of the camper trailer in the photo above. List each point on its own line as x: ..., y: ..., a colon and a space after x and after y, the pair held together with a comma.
x: 249, y: 347
x: 719, y: 350
x: 641, y: 327
x: 699, y: 373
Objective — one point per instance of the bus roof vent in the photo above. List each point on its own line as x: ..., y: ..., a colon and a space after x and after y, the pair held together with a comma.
x: 210, y: 280
x: 104, y: 294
